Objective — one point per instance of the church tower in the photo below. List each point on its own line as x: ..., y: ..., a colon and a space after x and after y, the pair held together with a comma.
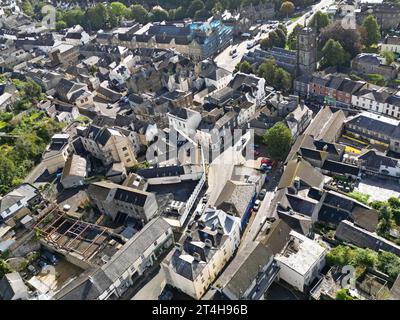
x: 306, y: 51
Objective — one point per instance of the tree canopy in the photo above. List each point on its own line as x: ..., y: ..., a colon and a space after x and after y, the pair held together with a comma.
x: 372, y: 31
x: 278, y: 141
x: 275, y: 76
x: 319, y: 20
x: 287, y: 8
x: 333, y: 55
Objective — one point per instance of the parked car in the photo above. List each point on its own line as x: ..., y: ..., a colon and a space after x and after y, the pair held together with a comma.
x: 262, y: 194
x: 42, y: 263
x: 250, y: 45
x: 257, y: 205
x: 32, y: 270
x: 234, y: 56
x: 49, y: 257
x: 265, y: 168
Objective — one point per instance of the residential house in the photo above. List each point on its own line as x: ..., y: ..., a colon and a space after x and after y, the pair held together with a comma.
x: 376, y: 129
x: 65, y: 54
x: 120, y: 202
x: 367, y: 63
x: 200, y: 256
x: 110, y: 145
x: 252, y: 86
x: 21, y: 197
x: 74, y: 172
x: 56, y: 153
x: 301, y: 261
x: 12, y: 287
x: 214, y: 75
x: 374, y: 162
x: 299, y: 173
x: 8, y: 95
x: 333, y: 89
x: 237, y: 198
x: 391, y: 43
x: 253, y: 269
x: 73, y: 93
x: 298, y: 120
x: 184, y: 120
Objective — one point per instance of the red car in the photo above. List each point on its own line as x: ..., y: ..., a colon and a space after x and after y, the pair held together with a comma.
x: 268, y: 162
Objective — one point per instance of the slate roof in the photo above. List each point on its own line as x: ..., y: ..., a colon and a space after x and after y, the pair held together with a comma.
x: 326, y: 124
x: 235, y: 197
x: 379, y: 124
x: 373, y: 160
x: 299, y: 168
x: 340, y: 167
x: 12, y: 284
x: 160, y: 172
x: 348, y: 232
x: 100, y: 190
x: 244, y: 268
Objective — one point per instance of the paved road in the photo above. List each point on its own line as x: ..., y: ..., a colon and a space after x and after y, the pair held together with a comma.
x: 225, y: 60
x: 258, y: 219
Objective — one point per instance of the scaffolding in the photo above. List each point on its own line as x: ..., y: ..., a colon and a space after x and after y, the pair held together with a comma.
x: 71, y: 235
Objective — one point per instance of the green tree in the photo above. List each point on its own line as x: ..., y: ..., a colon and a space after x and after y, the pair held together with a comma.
x: 158, y: 15
x: 389, y: 57
x: 389, y: 263
x: 333, y: 55
x: 139, y: 14
x: 385, y: 220
x: 96, y: 17
x: 282, y: 80
x: 73, y: 17
x: 278, y: 140
x: 4, y: 268
x: 372, y: 31
x: 350, y: 39
x: 244, y: 67
x: 194, y: 6
x: 281, y: 43
x: 7, y: 172
x: 282, y: 27
x: 27, y: 8
x: 267, y: 71
x: 119, y: 9
x: 287, y: 8
x: 292, y: 38
x: 60, y: 25
x: 343, y: 294
x: 319, y: 20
